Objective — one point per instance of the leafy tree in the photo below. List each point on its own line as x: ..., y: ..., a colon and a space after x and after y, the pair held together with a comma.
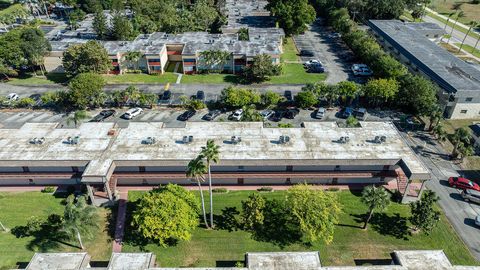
x: 86, y: 90
x: 417, y: 95
x: 197, y: 170
x: 100, y: 25
x: 211, y: 153
x: 147, y: 99
x: 388, y: 67
x: 460, y: 138
x: 250, y: 114
x: 306, y: 99
x: 204, y: 14
x: 381, y: 90
x: 261, y: 69
x: 292, y: 15
x: 238, y: 97
x: 25, y: 102
x: 133, y: 57
x: 88, y: 57
x: 122, y: 28
x: 352, y: 122
x: 79, y: 219
x: 270, y: 99
x: 316, y: 211
x: 213, y: 60
x: 75, y: 17
x: 166, y: 214
x: 243, y: 34
x: 77, y: 117
x: 376, y: 199
x: 435, y: 115
x: 439, y: 132
x: 348, y: 90
x: 424, y: 216
x: 465, y: 150
x: 34, y: 46
x: 340, y: 20
x: 323, y: 91
x: 252, y: 215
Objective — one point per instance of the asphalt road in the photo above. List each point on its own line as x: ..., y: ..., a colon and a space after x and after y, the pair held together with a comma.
x: 457, y: 35
x: 461, y: 214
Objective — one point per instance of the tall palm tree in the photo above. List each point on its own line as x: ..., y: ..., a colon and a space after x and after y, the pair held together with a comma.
x: 459, y: 138
x: 435, y: 117
x: 79, y: 219
x: 440, y: 133
x: 460, y: 14
x: 476, y: 43
x: 77, y: 117
x: 133, y: 57
x: 197, y: 170
x: 375, y: 199
x: 446, y: 24
x: 214, y: 60
x: 211, y: 153
x: 472, y: 24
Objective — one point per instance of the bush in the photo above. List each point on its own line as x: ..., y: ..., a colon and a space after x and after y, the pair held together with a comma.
x: 333, y: 189
x: 48, y: 190
x: 285, y: 125
x: 265, y: 189
x: 219, y: 190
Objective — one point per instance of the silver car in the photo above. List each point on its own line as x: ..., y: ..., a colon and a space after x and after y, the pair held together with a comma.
x: 477, y: 221
x: 471, y: 195
x: 320, y: 113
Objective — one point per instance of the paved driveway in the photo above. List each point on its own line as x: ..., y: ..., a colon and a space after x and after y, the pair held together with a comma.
x: 331, y: 51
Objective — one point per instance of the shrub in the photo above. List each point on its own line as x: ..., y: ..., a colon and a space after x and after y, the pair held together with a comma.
x: 265, y: 189
x: 48, y: 190
x: 333, y: 189
x: 219, y: 190
x: 285, y: 125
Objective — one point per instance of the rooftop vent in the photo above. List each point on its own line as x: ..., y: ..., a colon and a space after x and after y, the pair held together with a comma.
x: 284, y: 139
x: 73, y: 140
x: 235, y: 139
x: 187, y: 139
x: 380, y: 139
x: 345, y: 139
x: 37, y: 140
x: 149, y: 141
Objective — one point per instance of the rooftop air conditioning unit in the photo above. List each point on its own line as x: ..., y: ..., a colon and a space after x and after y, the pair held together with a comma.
x: 284, y: 139
x: 73, y: 140
x: 345, y: 139
x: 187, y: 139
x: 149, y: 140
x: 37, y: 140
x: 380, y: 139
x: 235, y: 139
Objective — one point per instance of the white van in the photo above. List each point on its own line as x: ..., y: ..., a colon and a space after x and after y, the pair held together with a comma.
x: 132, y: 113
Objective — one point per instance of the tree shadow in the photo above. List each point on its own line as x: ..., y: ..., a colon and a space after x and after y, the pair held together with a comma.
x: 384, y: 224
x: 228, y: 219
x: 132, y: 237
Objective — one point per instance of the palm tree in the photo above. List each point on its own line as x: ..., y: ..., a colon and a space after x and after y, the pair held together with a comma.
x: 446, y: 24
x: 133, y: 57
x: 79, y: 218
x: 211, y: 153
x: 476, y: 43
x: 440, y: 133
x: 435, y: 117
x: 375, y: 199
x: 459, y: 138
x: 77, y: 117
x: 465, y: 151
x: 197, y: 170
x: 214, y: 59
x: 472, y: 24
x: 460, y: 14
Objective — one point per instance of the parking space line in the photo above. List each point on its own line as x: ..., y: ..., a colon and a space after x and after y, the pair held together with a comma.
x: 146, y: 117
x: 54, y: 118
x: 15, y: 117
x: 41, y: 117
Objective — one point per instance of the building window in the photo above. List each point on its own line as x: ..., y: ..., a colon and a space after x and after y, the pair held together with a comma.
x: 469, y: 99
x: 463, y: 111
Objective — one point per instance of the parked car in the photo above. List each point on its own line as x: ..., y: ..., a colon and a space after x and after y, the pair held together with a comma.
x: 103, y: 115
x: 186, y: 115
x: 477, y: 220
x: 361, y: 70
x: 312, y: 62
x: 307, y: 53
x: 37, y: 98
x: 463, y: 183
x: 130, y: 114
x: 334, y: 35
x: 288, y: 95
x: 291, y: 113
x: 470, y: 195
x: 200, y: 95
x: 167, y: 95
x: 237, y: 115
x: 266, y: 114
x: 277, y: 117
x: 346, y: 112
x: 320, y: 113
x: 316, y: 68
x: 12, y: 97
x: 360, y: 114
x: 211, y: 115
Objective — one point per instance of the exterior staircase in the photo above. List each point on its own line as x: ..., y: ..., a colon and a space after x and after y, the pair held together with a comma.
x: 402, y: 181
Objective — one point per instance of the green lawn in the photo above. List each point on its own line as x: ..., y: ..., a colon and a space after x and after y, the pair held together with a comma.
x: 470, y: 49
x: 444, y: 7
x: 387, y: 232
x: 17, y: 208
x: 290, y: 52
x: 50, y: 78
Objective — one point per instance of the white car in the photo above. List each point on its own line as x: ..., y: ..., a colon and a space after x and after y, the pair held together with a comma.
x: 477, y: 220
x: 267, y: 114
x: 320, y: 113
x: 237, y: 115
x: 12, y: 97
x: 361, y: 70
x: 132, y: 113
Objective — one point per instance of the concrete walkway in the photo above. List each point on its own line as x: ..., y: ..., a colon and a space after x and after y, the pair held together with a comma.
x: 120, y: 224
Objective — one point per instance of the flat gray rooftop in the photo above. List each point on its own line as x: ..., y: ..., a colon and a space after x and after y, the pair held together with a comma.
x: 129, y: 261
x: 314, y: 144
x: 283, y: 260
x: 451, y: 73
x: 59, y: 261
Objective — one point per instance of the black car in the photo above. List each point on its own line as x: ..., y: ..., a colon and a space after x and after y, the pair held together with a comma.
x: 103, y: 115
x: 212, y: 115
x: 200, y: 95
x: 290, y: 114
x: 288, y: 95
x: 277, y: 117
x: 307, y: 53
x: 186, y: 115
x: 167, y: 95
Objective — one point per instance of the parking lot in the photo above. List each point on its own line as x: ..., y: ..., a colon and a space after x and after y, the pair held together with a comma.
x: 167, y: 115
x: 335, y: 56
